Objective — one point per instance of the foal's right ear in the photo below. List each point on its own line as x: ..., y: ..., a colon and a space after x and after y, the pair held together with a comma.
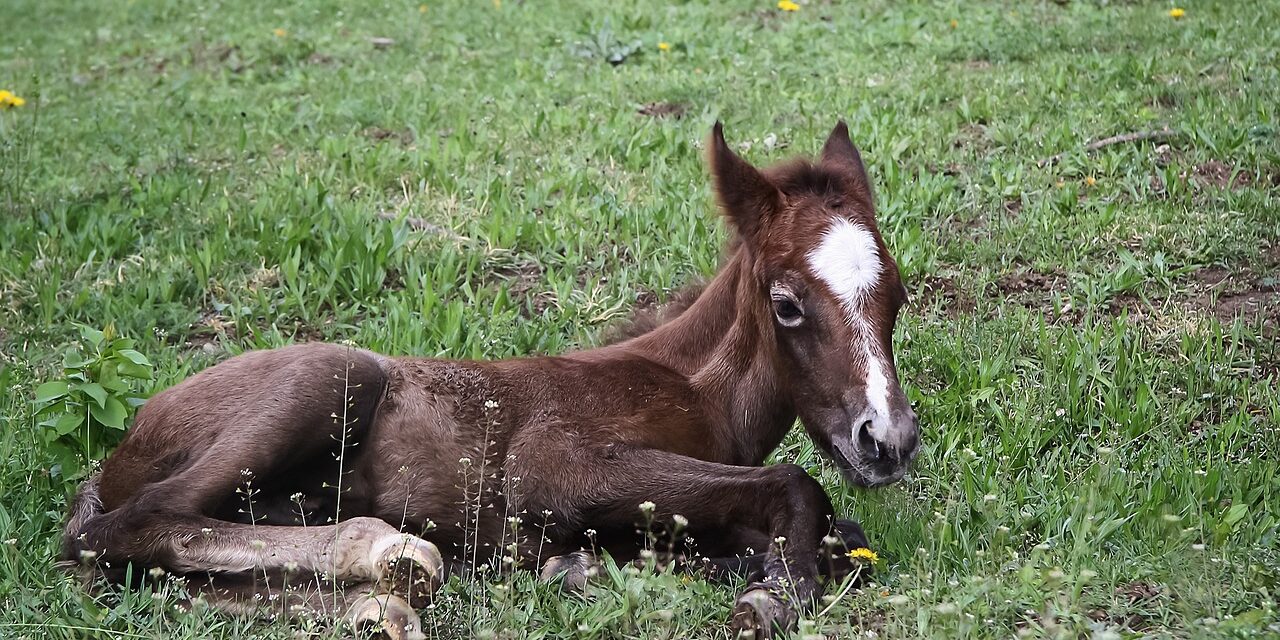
x: 840, y: 152
x: 746, y: 196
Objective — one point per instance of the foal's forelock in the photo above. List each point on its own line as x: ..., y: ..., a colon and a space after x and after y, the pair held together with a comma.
x: 847, y: 259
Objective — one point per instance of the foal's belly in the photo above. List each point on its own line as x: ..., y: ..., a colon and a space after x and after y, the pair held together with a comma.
x: 425, y: 462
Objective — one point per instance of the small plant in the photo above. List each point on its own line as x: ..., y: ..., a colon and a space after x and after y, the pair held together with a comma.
x: 604, y: 44
x: 83, y: 415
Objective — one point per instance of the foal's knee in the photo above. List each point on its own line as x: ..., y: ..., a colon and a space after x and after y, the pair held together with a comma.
x: 797, y: 484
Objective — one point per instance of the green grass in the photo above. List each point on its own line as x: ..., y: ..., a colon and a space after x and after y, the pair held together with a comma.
x: 1102, y: 431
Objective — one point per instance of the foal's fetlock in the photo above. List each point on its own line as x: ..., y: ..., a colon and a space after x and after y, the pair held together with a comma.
x: 762, y: 612
x: 387, y: 615
x: 408, y: 566
x: 572, y: 570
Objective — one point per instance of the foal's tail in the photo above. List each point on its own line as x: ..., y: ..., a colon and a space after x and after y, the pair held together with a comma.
x: 86, y: 506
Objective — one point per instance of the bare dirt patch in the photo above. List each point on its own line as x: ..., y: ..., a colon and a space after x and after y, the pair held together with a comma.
x: 380, y: 134
x: 942, y: 291
x: 673, y: 110
x: 1221, y: 175
x: 972, y: 136
x: 1250, y: 292
x: 526, y: 287
x: 1031, y: 283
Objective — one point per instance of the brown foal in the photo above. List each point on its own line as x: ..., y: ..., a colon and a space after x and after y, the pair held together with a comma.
x: 350, y: 471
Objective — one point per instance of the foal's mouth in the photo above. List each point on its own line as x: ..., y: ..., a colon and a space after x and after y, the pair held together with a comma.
x: 865, y: 476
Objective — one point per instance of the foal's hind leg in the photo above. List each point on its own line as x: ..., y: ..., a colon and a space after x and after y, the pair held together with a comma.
x: 363, y: 606
x: 359, y: 550
x: 262, y: 415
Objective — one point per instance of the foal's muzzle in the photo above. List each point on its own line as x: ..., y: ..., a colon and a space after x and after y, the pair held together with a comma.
x: 879, y: 449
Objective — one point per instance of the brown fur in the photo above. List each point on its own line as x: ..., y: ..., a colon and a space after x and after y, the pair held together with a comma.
x: 682, y: 413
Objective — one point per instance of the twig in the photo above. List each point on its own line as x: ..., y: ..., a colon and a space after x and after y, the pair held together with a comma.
x: 1135, y: 136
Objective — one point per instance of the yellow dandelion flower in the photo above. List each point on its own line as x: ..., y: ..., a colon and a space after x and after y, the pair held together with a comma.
x: 1177, y: 12
x: 863, y: 553
x: 788, y: 5
x: 8, y: 99
x: 422, y: 8
x: 497, y: 4
x: 1090, y: 180
x: 664, y: 46
x: 279, y: 33
x: 954, y: 23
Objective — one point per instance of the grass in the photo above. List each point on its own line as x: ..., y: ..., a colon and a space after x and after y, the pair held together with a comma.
x: 1092, y: 344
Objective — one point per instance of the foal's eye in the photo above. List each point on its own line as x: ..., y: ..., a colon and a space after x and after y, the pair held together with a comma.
x: 788, y: 312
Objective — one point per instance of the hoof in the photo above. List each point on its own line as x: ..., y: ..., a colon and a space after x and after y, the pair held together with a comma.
x: 759, y: 614
x: 385, y: 616
x: 572, y: 570
x: 851, y: 534
x: 407, y: 566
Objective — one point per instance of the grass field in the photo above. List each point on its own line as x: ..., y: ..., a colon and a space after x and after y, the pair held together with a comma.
x: 1091, y: 345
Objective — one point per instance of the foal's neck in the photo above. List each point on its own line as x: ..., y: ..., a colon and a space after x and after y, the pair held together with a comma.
x: 724, y: 344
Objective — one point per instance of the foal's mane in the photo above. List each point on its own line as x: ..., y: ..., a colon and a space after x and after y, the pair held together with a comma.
x: 646, y: 319
x: 798, y: 177
x: 801, y: 176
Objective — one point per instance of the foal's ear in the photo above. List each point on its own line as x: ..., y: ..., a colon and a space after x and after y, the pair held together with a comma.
x: 840, y: 152
x: 746, y: 196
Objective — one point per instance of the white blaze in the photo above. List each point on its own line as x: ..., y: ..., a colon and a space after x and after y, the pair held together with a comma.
x: 849, y: 263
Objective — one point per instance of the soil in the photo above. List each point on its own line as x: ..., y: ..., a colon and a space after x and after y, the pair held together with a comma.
x: 673, y: 110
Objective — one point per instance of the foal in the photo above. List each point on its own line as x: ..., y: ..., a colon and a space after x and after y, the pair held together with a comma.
x: 353, y: 470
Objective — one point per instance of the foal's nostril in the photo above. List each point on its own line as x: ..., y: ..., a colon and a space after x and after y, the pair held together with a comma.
x: 867, y: 443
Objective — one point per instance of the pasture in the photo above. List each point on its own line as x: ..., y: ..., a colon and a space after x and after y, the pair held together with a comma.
x: 1091, y: 342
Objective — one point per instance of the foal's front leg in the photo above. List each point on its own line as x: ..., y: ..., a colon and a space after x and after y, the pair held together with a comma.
x: 781, y: 501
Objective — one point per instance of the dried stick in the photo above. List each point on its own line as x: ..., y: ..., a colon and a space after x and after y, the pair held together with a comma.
x: 1136, y: 136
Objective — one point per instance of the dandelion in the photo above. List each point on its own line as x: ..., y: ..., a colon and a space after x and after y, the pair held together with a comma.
x: 279, y: 33
x: 1177, y: 13
x: 863, y: 553
x: 788, y: 5
x: 664, y: 46
x: 1090, y: 181
x: 954, y: 23
x: 422, y: 8
x: 9, y: 100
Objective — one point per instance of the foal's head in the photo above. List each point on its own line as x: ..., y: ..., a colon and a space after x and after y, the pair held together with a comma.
x: 827, y: 291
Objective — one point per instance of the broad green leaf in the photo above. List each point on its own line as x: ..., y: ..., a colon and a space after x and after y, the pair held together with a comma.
x: 93, y: 390
x: 91, y: 335
x: 135, y: 357
x: 51, y: 391
x: 1235, y: 514
x: 112, y: 414
x: 135, y: 371
x: 74, y: 360
x: 68, y: 423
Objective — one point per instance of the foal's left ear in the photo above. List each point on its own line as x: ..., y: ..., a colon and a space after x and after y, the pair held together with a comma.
x: 746, y: 196
x: 840, y: 152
